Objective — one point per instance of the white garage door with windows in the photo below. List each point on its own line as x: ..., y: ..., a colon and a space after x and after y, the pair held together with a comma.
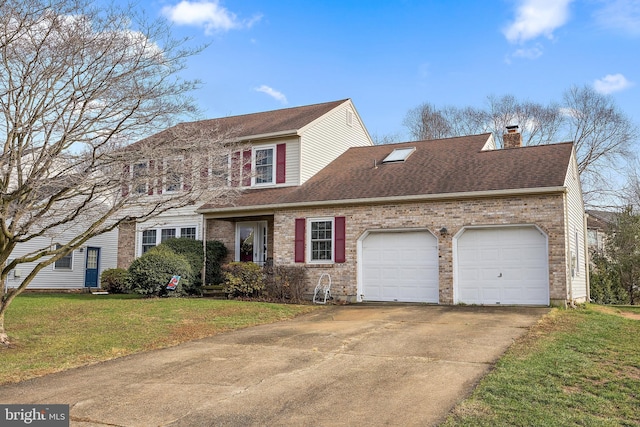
x: 502, y: 265
x: 400, y: 266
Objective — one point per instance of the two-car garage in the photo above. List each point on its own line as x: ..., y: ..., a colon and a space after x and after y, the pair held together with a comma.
x: 491, y: 265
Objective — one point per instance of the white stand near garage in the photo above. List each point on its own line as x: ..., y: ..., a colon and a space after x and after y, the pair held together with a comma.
x: 323, y: 289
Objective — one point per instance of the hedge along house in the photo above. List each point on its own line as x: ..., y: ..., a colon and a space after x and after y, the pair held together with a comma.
x: 273, y: 149
x: 444, y: 221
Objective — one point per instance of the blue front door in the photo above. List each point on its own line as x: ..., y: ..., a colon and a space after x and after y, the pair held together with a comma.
x: 91, y: 268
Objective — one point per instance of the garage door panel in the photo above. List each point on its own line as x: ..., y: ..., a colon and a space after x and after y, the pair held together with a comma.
x: 400, y: 266
x: 502, y: 265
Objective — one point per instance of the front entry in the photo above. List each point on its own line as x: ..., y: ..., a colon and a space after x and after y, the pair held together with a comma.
x: 251, y: 242
x: 91, y: 268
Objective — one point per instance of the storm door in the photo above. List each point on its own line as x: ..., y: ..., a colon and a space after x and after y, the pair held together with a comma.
x: 251, y: 242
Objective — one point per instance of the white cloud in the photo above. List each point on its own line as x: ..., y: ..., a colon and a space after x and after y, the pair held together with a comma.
x: 208, y: 14
x: 611, y: 83
x: 620, y: 15
x: 278, y: 96
x: 535, y: 18
x: 529, y: 53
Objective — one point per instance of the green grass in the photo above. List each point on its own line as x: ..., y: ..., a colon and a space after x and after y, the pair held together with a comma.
x: 54, y: 332
x: 576, y: 367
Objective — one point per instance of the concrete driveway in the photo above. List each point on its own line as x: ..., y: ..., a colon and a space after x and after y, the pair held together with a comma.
x: 345, y: 366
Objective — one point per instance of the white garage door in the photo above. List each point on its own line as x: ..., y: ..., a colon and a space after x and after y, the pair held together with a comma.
x: 400, y: 266
x: 502, y: 265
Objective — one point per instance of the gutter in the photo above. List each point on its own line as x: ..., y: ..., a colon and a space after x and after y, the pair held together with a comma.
x: 387, y: 199
x: 280, y: 133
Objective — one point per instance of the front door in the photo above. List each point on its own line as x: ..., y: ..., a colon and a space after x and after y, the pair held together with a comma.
x: 91, y: 268
x: 251, y: 242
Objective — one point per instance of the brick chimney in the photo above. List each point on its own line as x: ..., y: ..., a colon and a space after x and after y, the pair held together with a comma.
x: 512, y: 139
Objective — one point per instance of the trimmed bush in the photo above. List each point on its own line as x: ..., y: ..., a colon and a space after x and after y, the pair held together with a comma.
x: 243, y: 280
x: 285, y: 283
x: 114, y: 280
x: 150, y: 274
x: 192, y: 250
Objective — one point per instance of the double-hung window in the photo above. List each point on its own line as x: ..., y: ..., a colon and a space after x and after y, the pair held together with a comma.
x: 321, y: 240
x: 155, y: 236
x: 148, y: 240
x: 64, y: 263
x: 264, y: 166
x: 139, y: 178
x: 173, y: 175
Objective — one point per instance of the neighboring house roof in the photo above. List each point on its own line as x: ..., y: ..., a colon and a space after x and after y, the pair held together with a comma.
x: 268, y: 123
x: 452, y: 166
x: 600, y: 220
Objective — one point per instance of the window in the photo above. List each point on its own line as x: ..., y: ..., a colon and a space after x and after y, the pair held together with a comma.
x: 264, y: 165
x: 167, y: 233
x: 154, y: 237
x: 399, y: 155
x: 173, y: 176
x: 321, y: 240
x: 64, y: 263
x: 139, y: 178
x: 148, y: 240
x: 188, y: 233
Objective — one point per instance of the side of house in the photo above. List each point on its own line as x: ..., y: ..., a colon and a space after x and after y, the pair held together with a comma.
x: 79, y: 269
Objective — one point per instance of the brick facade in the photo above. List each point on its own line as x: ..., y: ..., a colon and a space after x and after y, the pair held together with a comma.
x: 126, y: 244
x: 544, y: 211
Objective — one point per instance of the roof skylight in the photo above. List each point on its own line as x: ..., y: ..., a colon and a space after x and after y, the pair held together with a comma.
x: 399, y: 155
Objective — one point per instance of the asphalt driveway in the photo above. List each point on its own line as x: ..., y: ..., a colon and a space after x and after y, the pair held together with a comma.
x: 345, y: 366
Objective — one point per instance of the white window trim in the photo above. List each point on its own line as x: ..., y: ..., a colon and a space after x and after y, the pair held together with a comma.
x: 72, y: 255
x: 309, y: 253
x: 159, y: 229
x: 254, y: 171
x: 165, y: 172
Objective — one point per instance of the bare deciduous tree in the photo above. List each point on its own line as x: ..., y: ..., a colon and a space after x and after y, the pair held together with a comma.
x: 78, y: 83
x: 602, y: 133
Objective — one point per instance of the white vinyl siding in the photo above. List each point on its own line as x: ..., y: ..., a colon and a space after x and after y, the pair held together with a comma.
x: 328, y: 137
x: 53, y: 278
x: 182, y: 222
x: 575, y: 236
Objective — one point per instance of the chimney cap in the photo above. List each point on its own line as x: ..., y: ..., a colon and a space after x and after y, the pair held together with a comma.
x: 512, y: 128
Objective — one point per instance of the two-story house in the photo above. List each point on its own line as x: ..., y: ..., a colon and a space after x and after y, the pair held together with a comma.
x: 445, y: 221
x: 267, y: 150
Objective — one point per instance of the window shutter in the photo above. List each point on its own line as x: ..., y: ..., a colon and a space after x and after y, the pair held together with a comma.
x: 150, y: 180
x: 340, y: 237
x: 187, y: 175
x: 125, y: 180
x: 160, y: 169
x: 281, y: 163
x: 246, y: 168
x: 299, y: 240
x: 235, y: 169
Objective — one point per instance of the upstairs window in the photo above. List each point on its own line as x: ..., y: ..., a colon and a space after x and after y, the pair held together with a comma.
x: 139, y: 178
x: 264, y: 167
x: 173, y: 175
x: 399, y: 155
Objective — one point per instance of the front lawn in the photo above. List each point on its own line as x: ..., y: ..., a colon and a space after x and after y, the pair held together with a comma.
x: 576, y: 367
x: 54, y: 332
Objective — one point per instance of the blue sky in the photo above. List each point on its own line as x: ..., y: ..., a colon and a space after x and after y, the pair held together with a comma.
x: 390, y: 56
